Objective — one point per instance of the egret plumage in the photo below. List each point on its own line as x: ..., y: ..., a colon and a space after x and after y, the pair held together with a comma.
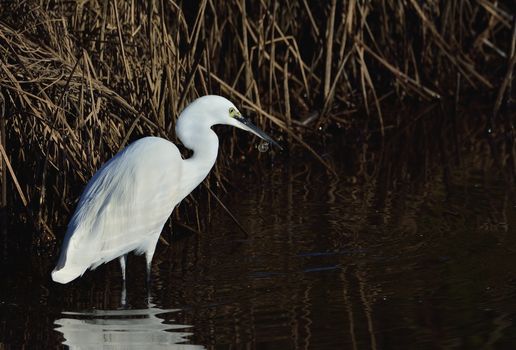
x: 129, y: 199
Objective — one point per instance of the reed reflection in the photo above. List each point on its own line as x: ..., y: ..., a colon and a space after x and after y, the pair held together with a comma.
x: 123, y: 329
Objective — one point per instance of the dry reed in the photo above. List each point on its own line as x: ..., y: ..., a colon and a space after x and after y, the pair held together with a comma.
x: 78, y: 80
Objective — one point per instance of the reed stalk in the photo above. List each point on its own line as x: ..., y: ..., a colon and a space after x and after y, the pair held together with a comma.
x: 82, y: 79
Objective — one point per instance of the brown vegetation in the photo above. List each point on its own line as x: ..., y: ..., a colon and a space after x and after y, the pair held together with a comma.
x: 78, y: 80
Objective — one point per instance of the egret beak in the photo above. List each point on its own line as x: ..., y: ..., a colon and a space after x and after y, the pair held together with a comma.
x: 247, y: 125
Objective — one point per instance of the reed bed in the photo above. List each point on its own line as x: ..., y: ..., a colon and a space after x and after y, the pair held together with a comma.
x: 81, y: 79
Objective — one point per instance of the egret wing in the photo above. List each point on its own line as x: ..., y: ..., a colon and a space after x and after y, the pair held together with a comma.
x: 125, y: 204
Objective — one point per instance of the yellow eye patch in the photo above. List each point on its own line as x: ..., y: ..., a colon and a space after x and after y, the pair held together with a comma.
x: 233, y: 112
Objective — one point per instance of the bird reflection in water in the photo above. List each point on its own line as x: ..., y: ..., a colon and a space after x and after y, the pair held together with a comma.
x: 123, y: 329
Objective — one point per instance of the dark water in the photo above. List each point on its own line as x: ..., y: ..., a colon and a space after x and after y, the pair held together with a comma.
x: 328, y: 264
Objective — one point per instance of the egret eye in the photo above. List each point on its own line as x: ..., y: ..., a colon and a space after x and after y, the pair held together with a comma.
x: 233, y: 112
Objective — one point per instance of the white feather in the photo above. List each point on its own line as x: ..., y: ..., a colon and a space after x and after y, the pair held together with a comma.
x: 123, y: 207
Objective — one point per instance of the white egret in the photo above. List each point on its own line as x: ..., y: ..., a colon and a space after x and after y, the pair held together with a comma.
x: 127, y: 202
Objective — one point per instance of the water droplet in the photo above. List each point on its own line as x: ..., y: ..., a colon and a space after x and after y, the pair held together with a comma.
x: 263, y: 146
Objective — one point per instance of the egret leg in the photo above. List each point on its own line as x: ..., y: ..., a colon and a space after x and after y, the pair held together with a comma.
x: 149, y: 260
x: 123, y: 262
x: 123, y: 296
x: 148, y: 257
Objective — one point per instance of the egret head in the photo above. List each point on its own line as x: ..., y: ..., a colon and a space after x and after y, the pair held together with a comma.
x: 215, y: 110
x: 236, y: 119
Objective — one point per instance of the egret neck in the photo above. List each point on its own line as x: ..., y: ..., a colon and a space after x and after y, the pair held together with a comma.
x: 196, y: 134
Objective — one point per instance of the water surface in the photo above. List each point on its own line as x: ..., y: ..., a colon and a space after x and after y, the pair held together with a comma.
x: 327, y: 263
